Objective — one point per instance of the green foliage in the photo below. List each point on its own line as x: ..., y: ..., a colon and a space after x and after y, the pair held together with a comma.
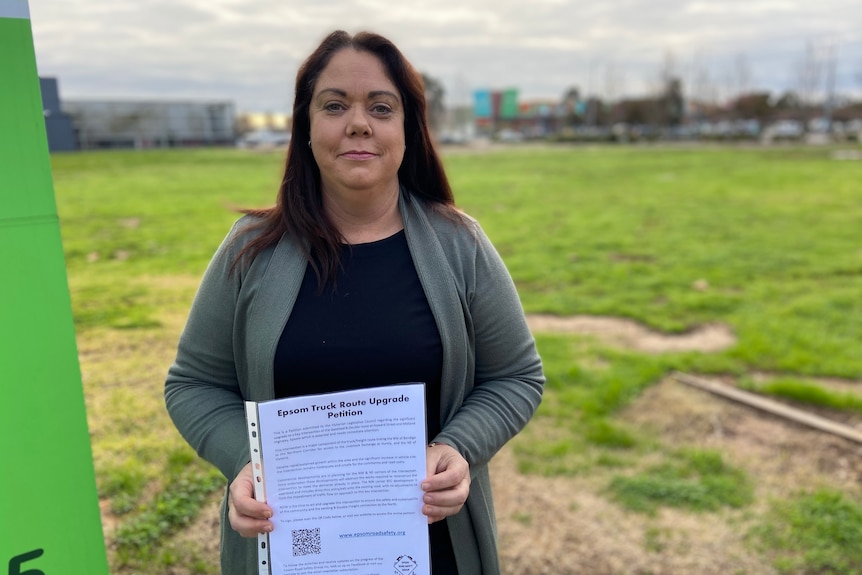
x: 693, y: 479
x: 174, y: 506
x: 654, y: 539
x: 605, y: 433
x: 594, y: 392
x: 523, y: 518
x: 605, y: 231
x: 122, y: 481
x: 130, y: 214
x: 581, y: 402
x: 628, y: 231
x: 807, y: 392
x: 126, y: 476
x: 814, y: 533
x: 113, y: 304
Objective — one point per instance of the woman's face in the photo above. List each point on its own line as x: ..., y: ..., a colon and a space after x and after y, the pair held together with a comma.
x: 357, y: 124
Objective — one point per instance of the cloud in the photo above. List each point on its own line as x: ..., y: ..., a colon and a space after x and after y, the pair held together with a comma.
x: 249, y: 51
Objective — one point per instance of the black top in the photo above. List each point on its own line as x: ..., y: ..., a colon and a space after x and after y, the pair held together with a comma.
x: 374, y: 327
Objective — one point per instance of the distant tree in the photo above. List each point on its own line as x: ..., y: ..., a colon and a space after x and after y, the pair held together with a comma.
x: 700, y: 83
x: 570, y: 102
x: 788, y: 101
x: 595, y: 112
x: 741, y: 74
x: 672, y: 103
x: 790, y: 106
x: 666, y: 72
x: 242, y: 124
x: 809, y: 72
x: 753, y: 106
x: 614, y: 82
x: 637, y: 111
x: 666, y: 109
x: 435, y: 108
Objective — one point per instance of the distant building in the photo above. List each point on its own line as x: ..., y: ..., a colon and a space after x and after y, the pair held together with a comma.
x: 58, y: 125
x: 255, y: 121
x: 151, y: 124
x: 494, y: 110
x: 502, y: 115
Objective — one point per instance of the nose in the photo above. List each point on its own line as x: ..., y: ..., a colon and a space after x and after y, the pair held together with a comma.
x: 357, y: 124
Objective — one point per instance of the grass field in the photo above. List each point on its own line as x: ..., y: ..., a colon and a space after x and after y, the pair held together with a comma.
x: 766, y: 241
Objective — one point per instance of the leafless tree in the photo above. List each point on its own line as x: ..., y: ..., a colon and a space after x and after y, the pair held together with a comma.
x: 808, y: 74
x: 699, y: 81
x: 667, y: 71
x: 742, y: 75
x: 435, y: 108
x: 614, y: 81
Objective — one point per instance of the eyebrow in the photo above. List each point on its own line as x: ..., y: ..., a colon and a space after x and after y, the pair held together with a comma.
x: 378, y: 93
x: 373, y: 94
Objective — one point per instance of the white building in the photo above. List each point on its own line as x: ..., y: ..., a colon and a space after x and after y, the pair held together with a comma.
x: 151, y: 124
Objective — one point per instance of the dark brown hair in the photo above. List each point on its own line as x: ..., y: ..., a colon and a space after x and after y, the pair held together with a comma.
x: 299, y: 206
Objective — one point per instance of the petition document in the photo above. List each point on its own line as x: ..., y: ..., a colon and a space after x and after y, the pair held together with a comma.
x: 341, y: 472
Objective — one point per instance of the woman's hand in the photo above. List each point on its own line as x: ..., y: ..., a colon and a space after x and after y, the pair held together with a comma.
x: 448, y: 482
x: 248, y: 516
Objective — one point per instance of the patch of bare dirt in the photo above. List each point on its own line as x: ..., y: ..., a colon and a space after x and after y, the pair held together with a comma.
x: 563, y: 526
x: 568, y: 526
x: 630, y: 334
x: 785, y: 457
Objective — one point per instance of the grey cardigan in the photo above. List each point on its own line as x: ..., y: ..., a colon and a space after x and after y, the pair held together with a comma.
x: 492, y: 375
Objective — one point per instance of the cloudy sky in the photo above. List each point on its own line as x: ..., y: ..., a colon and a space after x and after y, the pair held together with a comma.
x: 248, y: 50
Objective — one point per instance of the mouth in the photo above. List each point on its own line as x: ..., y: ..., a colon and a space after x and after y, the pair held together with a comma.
x: 358, y: 155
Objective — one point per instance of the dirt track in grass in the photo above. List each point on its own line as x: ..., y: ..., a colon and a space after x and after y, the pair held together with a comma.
x: 567, y: 526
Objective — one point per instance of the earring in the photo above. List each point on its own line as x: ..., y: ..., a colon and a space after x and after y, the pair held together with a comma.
x: 309, y: 143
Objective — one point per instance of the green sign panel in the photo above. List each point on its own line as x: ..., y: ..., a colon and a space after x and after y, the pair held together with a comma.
x: 49, y: 510
x: 509, y: 104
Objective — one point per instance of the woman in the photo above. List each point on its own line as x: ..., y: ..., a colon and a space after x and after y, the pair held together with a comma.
x: 363, y: 274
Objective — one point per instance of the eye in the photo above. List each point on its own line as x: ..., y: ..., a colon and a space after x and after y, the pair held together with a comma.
x: 381, y: 109
x: 333, y: 106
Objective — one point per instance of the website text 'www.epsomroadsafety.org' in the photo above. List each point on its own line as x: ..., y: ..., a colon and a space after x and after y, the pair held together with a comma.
x: 373, y: 534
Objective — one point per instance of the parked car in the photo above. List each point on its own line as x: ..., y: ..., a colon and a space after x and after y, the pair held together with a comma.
x: 785, y: 130
x: 510, y: 136
x: 853, y: 129
x: 264, y: 139
x: 453, y: 138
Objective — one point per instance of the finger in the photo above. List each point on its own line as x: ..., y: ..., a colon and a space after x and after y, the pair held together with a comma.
x: 242, y: 496
x: 446, y: 479
x: 455, y: 495
x: 436, y: 513
x: 251, y: 527
x: 247, y: 516
x: 438, y: 505
x: 248, y: 526
x: 450, y: 498
x: 250, y: 507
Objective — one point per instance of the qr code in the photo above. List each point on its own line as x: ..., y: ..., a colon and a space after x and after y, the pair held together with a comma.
x: 306, y: 541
